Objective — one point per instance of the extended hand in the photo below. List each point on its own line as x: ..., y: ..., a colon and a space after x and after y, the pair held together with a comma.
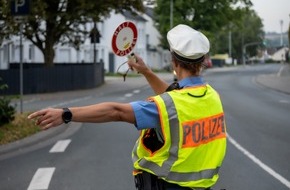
x: 47, y: 118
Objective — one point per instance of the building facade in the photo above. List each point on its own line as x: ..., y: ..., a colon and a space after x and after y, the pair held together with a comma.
x: 146, y: 46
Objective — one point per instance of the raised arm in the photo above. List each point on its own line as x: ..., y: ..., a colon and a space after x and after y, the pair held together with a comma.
x: 98, y: 113
x: 158, y: 85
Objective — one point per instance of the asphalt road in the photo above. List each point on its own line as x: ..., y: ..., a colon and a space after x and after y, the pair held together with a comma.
x: 98, y: 156
x: 258, y: 125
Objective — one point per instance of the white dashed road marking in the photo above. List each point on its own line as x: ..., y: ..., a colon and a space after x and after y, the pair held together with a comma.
x: 60, y: 146
x: 71, y: 101
x: 128, y: 95
x: 41, y: 179
x: 284, y: 101
x: 136, y: 91
x: 259, y: 162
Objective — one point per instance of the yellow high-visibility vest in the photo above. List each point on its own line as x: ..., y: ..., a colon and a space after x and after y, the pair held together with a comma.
x: 194, y: 132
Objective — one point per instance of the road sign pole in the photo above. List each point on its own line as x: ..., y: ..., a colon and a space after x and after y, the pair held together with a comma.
x: 21, y: 69
x: 19, y: 9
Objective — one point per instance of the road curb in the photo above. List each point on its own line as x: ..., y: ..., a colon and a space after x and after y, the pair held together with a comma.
x: 38, y: 140
x: 274, y: 82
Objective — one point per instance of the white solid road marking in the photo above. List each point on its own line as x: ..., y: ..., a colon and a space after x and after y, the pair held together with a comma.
x: 259, y: 162
x: 41, y: 179
x: 60, y: 146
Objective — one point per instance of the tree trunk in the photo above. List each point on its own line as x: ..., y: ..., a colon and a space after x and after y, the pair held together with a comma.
x: 50, y: 41
x: 48, y: 56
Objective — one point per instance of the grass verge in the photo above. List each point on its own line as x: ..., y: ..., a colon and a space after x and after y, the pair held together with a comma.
x: 18, y: 129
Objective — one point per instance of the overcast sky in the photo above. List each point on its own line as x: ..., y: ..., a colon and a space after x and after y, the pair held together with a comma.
x: 272, y: 12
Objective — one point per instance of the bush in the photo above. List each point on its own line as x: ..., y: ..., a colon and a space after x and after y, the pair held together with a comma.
x: 6, y: 110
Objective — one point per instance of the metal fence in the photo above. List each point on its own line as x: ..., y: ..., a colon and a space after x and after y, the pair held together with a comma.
x: 61, y: 77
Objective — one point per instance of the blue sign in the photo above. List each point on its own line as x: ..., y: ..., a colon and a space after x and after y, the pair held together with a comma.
x: 20, y: 7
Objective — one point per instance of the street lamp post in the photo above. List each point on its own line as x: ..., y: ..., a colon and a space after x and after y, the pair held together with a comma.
x: 289, y: 34
x: 281, y: 37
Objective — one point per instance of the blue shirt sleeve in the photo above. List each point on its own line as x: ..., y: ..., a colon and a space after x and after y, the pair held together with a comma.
x: 146, y: 114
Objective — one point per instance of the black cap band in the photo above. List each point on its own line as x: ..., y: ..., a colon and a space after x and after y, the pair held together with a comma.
x: 183, y: 59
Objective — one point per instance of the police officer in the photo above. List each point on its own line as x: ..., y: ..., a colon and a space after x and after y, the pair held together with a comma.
x: 183, y: 136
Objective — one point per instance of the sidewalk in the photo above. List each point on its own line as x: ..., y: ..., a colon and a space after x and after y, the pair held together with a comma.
x: 279, y: 81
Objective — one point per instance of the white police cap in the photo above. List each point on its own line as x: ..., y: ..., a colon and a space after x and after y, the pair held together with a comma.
x: 187, y: 44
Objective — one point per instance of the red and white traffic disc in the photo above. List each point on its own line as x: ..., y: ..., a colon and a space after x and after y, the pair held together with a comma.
x: 124, y: 38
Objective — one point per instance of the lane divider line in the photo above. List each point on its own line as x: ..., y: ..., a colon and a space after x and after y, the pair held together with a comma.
x: 41, y: 179
x: 259, y: 162
x: 60, y: 146
x: 71, y: 101
x: 136, y: 91
x: 128, y: 95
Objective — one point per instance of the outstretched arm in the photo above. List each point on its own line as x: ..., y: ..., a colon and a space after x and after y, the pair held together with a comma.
x: 98, y: 113
x: 159, y: 86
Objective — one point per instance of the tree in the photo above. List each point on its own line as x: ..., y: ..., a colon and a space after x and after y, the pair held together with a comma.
x: 247, y: 28
x: 57, y: 21
x: 205, y: 15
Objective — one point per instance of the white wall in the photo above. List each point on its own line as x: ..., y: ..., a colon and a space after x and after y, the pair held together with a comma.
x: 280, y: 54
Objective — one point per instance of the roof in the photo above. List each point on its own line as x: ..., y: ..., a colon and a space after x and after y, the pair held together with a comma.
x: 149, y: 11
x: 133, y: 16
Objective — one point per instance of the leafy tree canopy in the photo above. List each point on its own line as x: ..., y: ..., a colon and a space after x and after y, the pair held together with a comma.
x: 56, y: 21
x: 205, y: 15
x: 248, y: 30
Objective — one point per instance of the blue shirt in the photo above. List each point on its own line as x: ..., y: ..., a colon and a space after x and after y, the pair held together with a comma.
x: 146, y: 113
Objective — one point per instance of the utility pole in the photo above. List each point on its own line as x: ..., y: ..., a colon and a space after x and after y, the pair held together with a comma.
x: 289, y: 34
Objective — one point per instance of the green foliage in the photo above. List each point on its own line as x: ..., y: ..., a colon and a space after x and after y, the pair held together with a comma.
x: 248, y: 29
x: 205, y: 15
x: 215, y: 19
x: 58, y: 21
x: 6, y: 110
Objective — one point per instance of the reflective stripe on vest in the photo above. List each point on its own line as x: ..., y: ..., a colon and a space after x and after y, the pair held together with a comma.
x: 164, y: 170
